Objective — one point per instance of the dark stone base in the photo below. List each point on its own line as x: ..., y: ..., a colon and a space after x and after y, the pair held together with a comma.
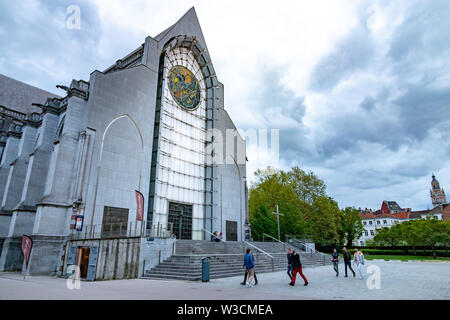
x: 46, y: 255
x: 11, y: 258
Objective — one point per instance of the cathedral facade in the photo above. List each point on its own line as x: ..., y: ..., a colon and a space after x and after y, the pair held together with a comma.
x: 144, y: 149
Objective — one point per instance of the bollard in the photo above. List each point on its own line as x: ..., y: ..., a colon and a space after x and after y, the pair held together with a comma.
x: 205, y: 270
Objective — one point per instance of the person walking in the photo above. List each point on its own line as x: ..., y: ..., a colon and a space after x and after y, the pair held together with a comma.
x: 249, y: 267
x: 347, y: 261
x: 297, y: 267
x: 254, y: 273
x: 289, y: 267
x: 336, y: 261
x: 359, y: 261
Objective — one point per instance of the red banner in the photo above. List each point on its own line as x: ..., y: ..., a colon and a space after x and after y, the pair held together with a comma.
x: 139, y: 206
x: 27, y: 244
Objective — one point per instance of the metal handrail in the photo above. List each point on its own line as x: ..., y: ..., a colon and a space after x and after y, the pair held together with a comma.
x: 285, y: 243
x: 308, y: 246
x: 258, y: 249
x: 271, y: 257
x: 212, y: 234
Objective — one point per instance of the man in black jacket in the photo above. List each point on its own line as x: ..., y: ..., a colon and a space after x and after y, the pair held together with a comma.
x: 289, y: 268
x: 347, y: 261
x: 297, y: 266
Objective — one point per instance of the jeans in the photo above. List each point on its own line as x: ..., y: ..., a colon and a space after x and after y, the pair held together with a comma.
x: 348, y: 264
x: 336, y: 267
x: 359, y: 266
x: 289, y: 271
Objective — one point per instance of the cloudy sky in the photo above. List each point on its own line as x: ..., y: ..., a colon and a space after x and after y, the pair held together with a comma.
x: 359, y: 90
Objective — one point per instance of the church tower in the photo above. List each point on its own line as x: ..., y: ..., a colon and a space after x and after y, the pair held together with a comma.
x: 436, y: 193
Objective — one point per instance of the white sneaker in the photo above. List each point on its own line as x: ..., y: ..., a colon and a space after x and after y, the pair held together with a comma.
x: 248, y: 285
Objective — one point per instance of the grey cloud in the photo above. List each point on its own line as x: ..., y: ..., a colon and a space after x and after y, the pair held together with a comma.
x: 424, y: 32
x: 281, y: 109
x: 353, y: 53
x: 39, y: 49
x: 368, y: 103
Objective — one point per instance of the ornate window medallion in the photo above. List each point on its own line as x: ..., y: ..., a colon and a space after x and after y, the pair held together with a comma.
x: 184, y: 87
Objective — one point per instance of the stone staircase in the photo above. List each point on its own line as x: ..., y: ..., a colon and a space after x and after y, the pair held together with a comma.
x: 226, y: 259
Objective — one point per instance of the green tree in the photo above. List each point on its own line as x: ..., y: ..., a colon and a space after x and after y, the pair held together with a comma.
x: 323, y: 221
x: 270, y: 191
x: 306, y: 184
x: 410, y: 232
x: 262, y: 221
x: 390, y: 236
x: 351, y: 225
x: 431, y: 233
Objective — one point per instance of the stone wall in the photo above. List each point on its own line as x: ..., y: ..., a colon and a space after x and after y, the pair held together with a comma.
x: 154, y: 251
x: 117, y: 258
x: 11, y: 258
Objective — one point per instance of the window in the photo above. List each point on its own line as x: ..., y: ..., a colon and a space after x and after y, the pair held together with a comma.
x: 370, y: 222
x: 362, y: 243
x: 384, y: 221
x: 378, y: 221
x: 115, y: 222
x: 435, y: 217
x: 364, y: 223
x: 372, y: 233
x: 366, y: 233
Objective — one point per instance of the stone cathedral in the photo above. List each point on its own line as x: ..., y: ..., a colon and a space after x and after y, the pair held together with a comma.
x: 72, y: 166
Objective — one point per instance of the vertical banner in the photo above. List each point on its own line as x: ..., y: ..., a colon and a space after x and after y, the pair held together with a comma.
x: 139, y: 206
x: 27, y: 244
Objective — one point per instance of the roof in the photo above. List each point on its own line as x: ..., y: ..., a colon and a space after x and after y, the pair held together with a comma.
x: 401, y: 215
x: 19, y: 96
x: 418, y: 214
x: 398, y: 215
x: 393, y: 205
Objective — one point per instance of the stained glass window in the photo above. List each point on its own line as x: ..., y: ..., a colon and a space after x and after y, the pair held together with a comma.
x: 184, y: 87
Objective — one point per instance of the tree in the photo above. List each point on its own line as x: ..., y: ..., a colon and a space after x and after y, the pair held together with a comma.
x: 351, y: 225
x: 323, y: 221
x: 410, y: 233
x: 270, y: 191
x: 262, y: 221
x: 390, y: 236
x: 306, y: 184
x: 431, y: 233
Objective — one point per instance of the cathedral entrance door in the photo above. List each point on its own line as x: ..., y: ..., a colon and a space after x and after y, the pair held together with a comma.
x: 231, y: 227
x: 180, y: 218
x: 83, y: 261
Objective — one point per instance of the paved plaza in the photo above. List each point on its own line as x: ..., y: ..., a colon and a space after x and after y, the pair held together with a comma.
x: 398, y: 280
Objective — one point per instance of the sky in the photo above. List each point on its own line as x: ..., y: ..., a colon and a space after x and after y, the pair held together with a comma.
x: 359, y: 90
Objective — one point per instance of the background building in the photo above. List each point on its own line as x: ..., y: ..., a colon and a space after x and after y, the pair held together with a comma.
x: 391, y: 213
